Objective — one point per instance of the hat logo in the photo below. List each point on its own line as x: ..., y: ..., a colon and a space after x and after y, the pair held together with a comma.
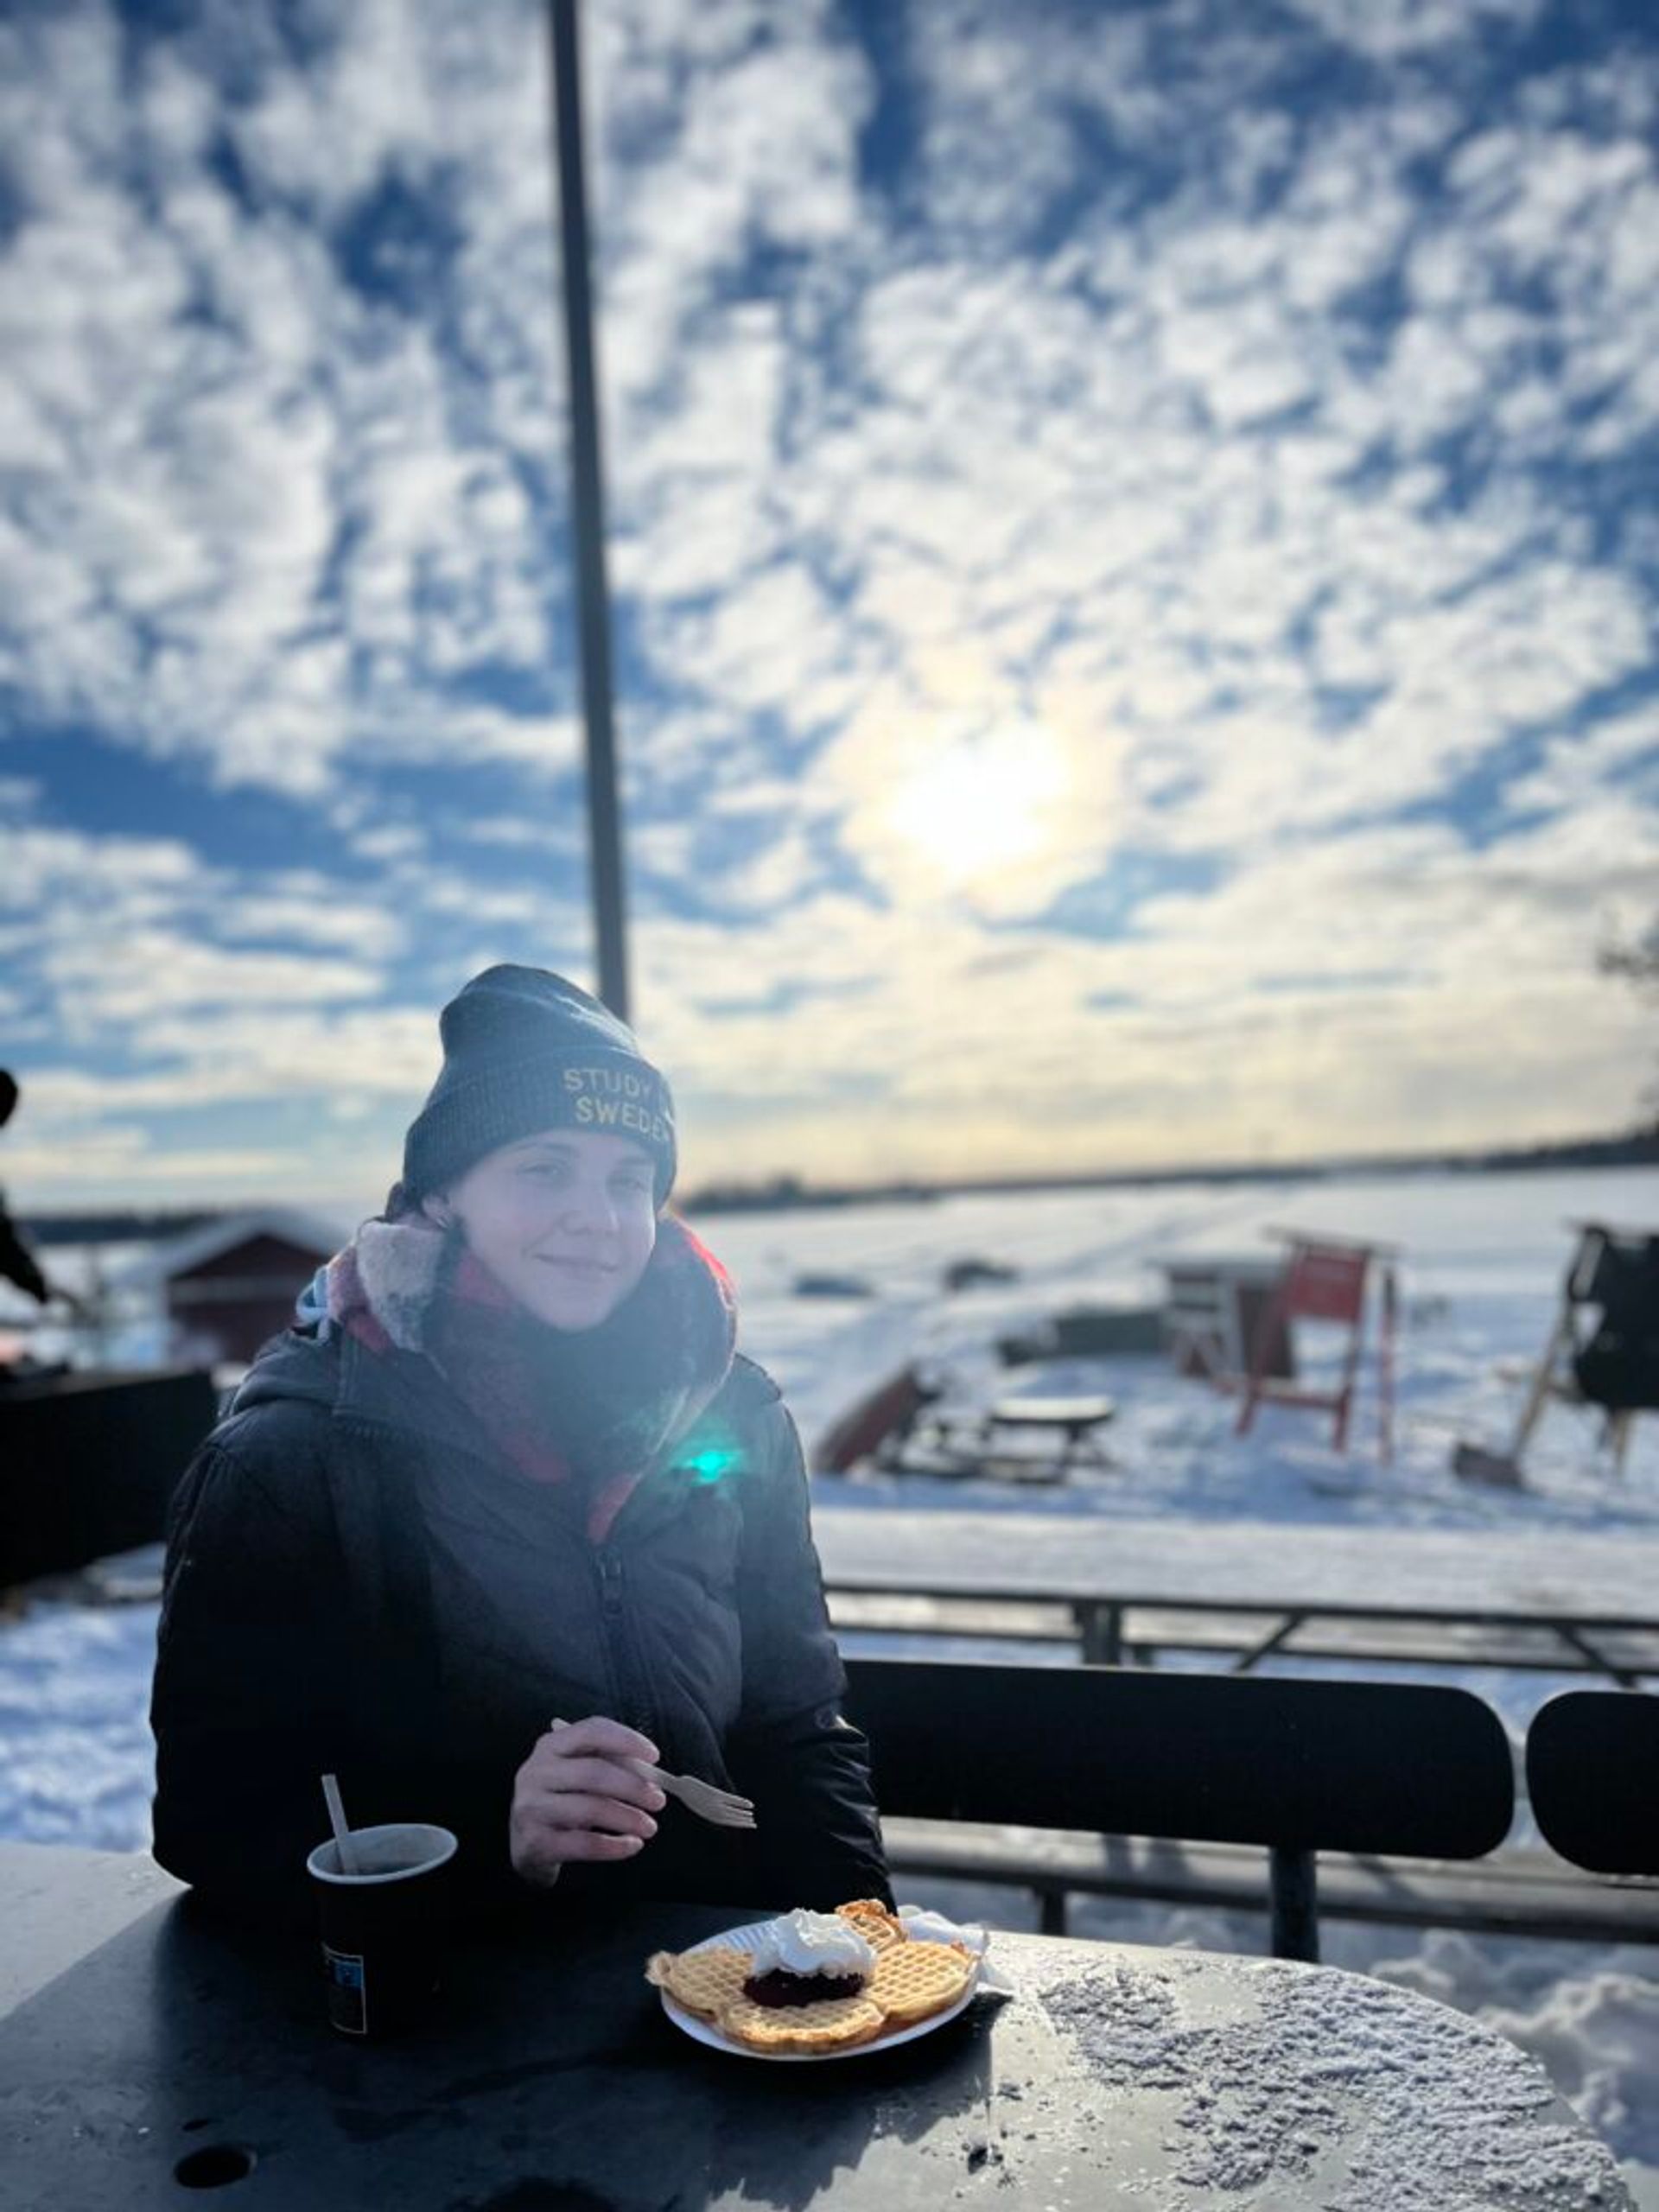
x: 617, y: 1098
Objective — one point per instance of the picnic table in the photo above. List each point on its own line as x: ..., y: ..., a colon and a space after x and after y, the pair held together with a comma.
x: 144, y: 2051
x: 1064, y: 1427
x: 1557, y: 1600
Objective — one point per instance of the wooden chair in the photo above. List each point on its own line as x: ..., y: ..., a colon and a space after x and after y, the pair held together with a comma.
x: 1323, y: 1281
x: 1293, y: 1766
x: 1593, y: 1778
x: 1213, y: 1313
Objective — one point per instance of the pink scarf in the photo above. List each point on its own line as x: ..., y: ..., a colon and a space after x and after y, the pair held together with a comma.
x: 593, y: 1407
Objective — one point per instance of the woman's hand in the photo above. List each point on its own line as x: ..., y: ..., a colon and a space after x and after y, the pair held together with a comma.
x: 575, y: 1797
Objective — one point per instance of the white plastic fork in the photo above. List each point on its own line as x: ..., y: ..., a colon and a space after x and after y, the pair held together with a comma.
x: 723, y: 1807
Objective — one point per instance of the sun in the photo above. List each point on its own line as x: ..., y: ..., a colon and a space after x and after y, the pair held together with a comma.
x: 981, y: 804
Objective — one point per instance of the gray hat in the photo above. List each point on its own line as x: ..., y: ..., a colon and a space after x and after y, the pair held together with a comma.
x: 524, y: 1050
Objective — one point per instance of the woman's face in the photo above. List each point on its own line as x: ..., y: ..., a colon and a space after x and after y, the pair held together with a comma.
x: 565, y: 1222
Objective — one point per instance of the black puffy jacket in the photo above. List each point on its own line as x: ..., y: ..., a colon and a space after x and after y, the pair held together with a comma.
x: 308, y: 1627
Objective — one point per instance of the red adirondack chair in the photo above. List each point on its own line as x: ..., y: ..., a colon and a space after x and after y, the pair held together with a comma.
x: 1325, y: 1281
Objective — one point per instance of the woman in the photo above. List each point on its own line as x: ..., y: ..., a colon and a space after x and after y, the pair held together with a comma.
x: 505, y: 1513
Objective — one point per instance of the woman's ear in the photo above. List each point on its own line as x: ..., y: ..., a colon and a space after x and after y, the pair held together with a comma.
x: 436, y: 1209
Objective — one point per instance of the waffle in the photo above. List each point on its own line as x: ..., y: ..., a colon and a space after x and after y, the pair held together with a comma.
x: 914, y: 1980
x: 704, y: 1982
x: 832, y: 2024
x: 875, y: 1922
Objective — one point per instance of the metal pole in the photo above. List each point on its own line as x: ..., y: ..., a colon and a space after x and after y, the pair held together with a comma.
x: 1293, y: 1887
x: 587, y: 511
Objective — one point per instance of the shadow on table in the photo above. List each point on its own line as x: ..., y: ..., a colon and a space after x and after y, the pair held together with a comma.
x: 783, y: 2142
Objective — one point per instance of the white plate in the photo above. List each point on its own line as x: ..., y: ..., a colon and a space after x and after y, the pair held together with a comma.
x: 705, y: 2031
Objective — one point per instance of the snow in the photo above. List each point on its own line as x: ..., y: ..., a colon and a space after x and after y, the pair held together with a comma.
x: 73, y: 1722
x: 1481, y: 1261
x: 1263, y: 2095
x: 1481, y: 1264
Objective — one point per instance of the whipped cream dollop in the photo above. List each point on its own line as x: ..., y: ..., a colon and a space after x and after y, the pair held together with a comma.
x: 810, y: 1943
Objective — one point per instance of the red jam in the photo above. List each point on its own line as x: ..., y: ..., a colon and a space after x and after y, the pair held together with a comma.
x: 779, y: 1988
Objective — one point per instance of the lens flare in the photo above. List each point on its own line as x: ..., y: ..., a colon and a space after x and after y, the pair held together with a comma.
x: 712, y: 1465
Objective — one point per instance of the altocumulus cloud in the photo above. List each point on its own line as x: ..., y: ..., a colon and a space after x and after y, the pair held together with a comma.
x: 1132, y: 544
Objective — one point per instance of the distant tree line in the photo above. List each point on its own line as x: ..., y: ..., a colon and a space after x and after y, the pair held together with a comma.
x: 118, y: 1227
x: 1637, y: 1147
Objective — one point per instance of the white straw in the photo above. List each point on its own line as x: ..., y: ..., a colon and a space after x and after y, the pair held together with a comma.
x: 343, y: 1843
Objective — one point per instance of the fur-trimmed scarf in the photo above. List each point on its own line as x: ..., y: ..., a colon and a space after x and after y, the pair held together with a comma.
x: 593, y: 1409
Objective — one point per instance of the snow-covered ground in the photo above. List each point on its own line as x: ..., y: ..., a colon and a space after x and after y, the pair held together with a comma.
x: 1481, y: 1262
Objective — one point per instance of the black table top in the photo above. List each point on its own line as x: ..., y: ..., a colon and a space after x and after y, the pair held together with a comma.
x: 137, y: 2035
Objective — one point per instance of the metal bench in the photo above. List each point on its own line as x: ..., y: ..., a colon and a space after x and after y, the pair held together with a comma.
x: 1291, y: 1768
x: 1592, y: 1779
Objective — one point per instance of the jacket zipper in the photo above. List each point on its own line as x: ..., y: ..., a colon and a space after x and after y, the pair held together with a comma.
x: 625, y: 1669
x: 638, y: 1707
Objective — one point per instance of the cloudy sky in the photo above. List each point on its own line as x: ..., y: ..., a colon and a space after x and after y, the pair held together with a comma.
x: 1135, y: 532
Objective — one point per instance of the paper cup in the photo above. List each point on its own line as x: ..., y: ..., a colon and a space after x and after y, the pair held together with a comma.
x: 386, y: 1929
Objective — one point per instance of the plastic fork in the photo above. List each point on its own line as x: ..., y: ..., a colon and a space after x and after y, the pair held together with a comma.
x: 723, y: 1807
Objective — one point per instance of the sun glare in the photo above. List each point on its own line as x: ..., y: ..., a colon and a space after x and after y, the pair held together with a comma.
x: 981, y: 803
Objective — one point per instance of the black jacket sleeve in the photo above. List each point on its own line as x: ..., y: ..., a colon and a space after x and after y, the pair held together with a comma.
x: 291, y: 1646
x: 791, y: 1751
x: 250, y: 1702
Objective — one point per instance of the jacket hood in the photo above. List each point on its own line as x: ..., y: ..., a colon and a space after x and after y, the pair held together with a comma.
x: 340, y: 1377
x: 295, y: 1365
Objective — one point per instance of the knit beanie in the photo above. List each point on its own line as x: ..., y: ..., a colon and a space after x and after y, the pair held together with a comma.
x: 522, y: 1051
